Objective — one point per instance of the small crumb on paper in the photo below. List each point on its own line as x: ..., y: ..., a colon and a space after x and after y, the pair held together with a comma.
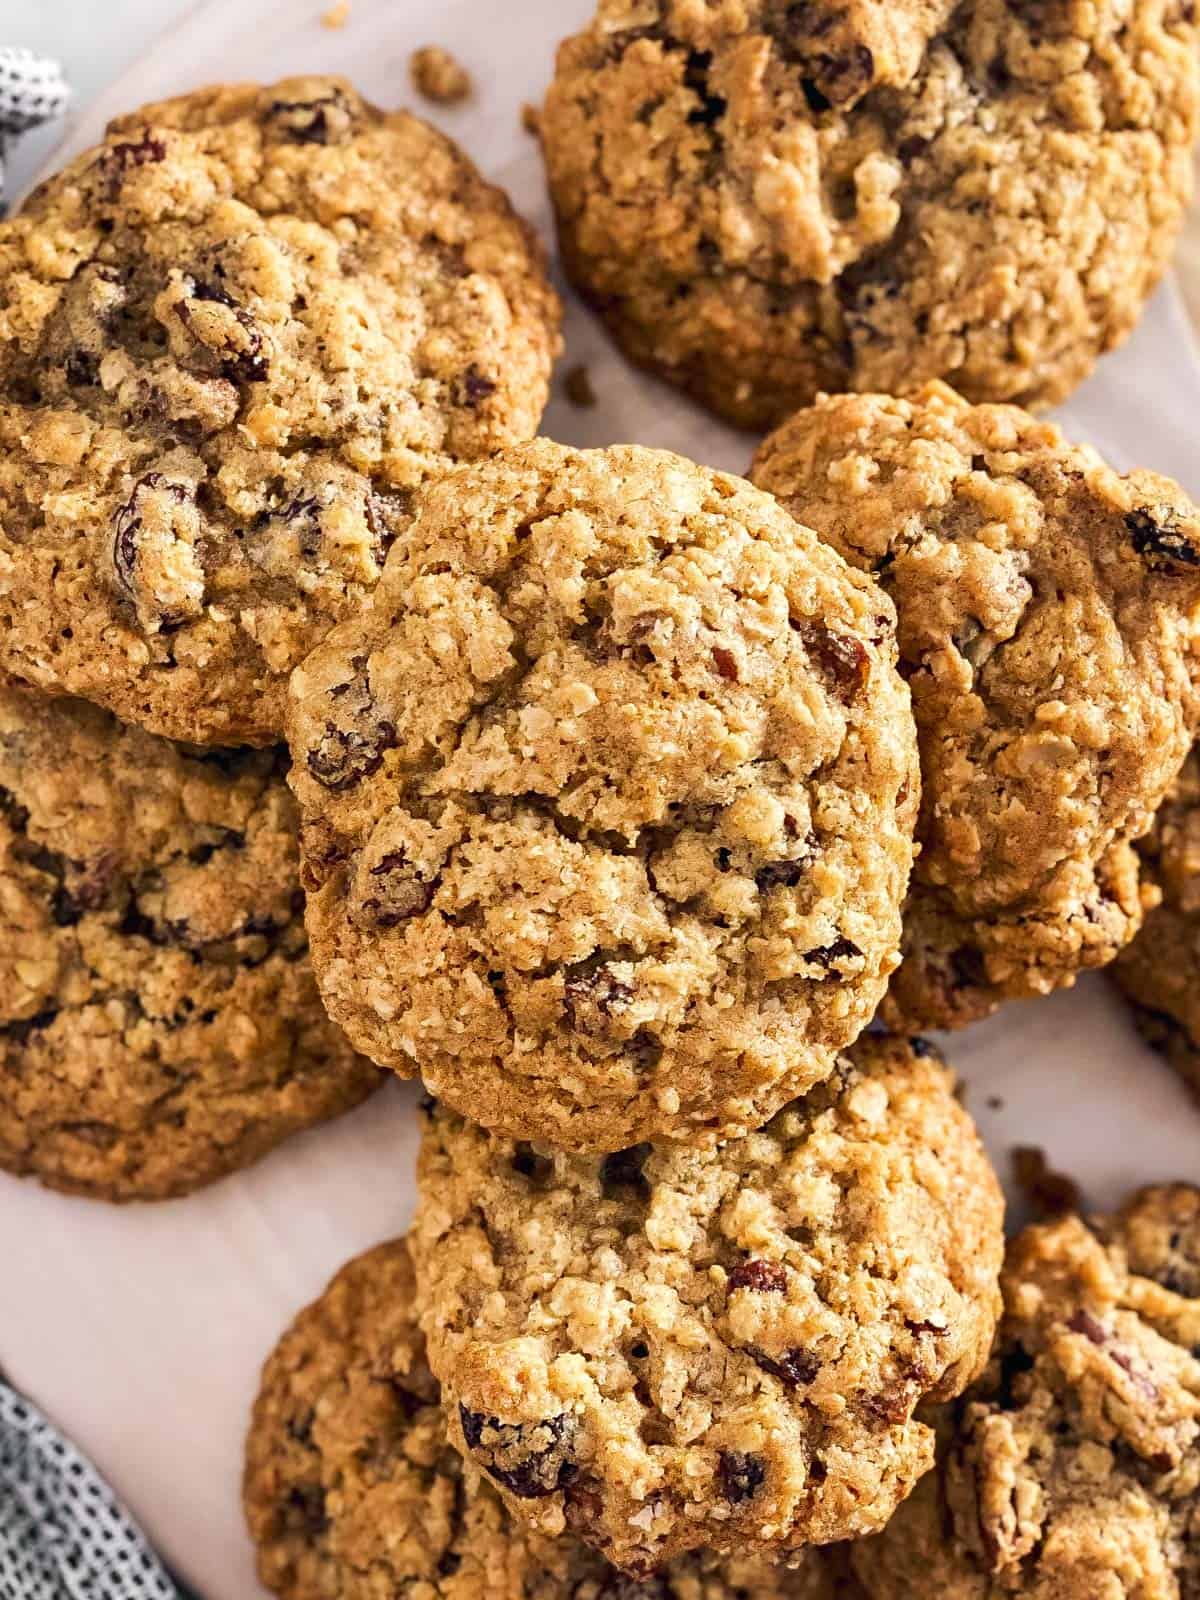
x: 1050, y: 1194
x: 438, y: 76
x: 578, y: 387
x: 531, y: 120
x: 337, y: 16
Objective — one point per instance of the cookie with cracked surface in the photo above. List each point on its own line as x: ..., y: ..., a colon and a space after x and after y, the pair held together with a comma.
x: 353, y: 1491
x: 607, y: 800
x: 764, y: 199
x: 668, y: 1347
x: 235, y: 338
x: 1072, y: 1471
x: 159, y: 1022
x: 1047, y: 625
x: 1159, y: 973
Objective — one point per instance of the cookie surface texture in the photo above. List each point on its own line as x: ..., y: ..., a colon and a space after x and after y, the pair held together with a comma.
x: 1072, y: 1471
x: 765, y: 199
x: 235, y: 339
x: 159, y: 1021
x: 1048, y: 625
x: 665, y: 1348
x: 606, y: 800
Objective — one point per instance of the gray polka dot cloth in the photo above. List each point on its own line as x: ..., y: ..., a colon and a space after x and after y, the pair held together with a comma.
x: 32, y: 91
x: 63, y: 1534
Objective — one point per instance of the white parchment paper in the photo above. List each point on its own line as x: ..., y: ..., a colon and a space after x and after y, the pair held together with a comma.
x: 141, y: 1331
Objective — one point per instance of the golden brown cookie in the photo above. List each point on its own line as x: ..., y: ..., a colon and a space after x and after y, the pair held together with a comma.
x: 607, y: 800
x: 1048, y: 630
x: 1160, y: 971
x: 665, y: 1348
x: 767, y: 198
x: 1072, y: 1470
x: 353, y: 1492
x: 159, y: 1022
x: 235, y: 338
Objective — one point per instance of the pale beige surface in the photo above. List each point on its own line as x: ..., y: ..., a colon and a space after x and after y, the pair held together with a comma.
x: 1188, y: 263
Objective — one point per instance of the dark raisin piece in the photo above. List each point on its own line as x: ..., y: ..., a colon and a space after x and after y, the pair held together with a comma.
x: 387, y: 516
x: 530, y: 1459
x: 1161, y: 543
x: 326, y: 119
x: 118, y: 159
x: 764, y: 1277
x: 841, y: 660
x: 889, y: 1407
x: 591, y: 996
x: 449, y: 1564
x: 623, y: 1170
x: 397, y: 893
x: 828, y: 955
x: 346, y: 756
x: 640, y: 1350
x: 474, y: 387
x: 153, y: 497
x: 1084, y: 1323
x: 795, y: 1367
x: 238, y: 349
x: 780, y: 875
x: 304, y: 1509
x: 740, y: 1475
x: 934, y: 1330
x: 726, y: 663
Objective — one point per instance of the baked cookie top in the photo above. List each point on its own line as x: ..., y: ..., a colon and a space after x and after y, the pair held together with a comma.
x: 1048, y: 628
x: 1160, y: 971
x: 664, y: 1348
x: 766, y: 198
x: 607, y: 800
x: 159, y: 1022
x: 234, y: 339
x: 353, y: 1492
x: 1072, y: 1471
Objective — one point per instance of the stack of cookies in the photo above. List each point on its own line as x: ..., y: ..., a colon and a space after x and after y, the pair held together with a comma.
x: 646, y: 813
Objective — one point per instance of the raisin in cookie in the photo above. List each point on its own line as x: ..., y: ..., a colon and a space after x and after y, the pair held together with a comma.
x: 159, y: 1022
x: 764, y: 198
x: 1160, y: 971
x: 1047, y: 624
x: 353, y: 1491
x: 607, y: 800
x: 234, y: 339
x: 660, y: 1349
x: 1072, y: 1471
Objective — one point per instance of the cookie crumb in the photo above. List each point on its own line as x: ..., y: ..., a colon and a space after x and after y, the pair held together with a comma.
x: 578, y: 387
x: 438, y: 76
x: 337, y: 16
x: 1050, y: 1193
x: 531, y: 120
x: 994, y: 1102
